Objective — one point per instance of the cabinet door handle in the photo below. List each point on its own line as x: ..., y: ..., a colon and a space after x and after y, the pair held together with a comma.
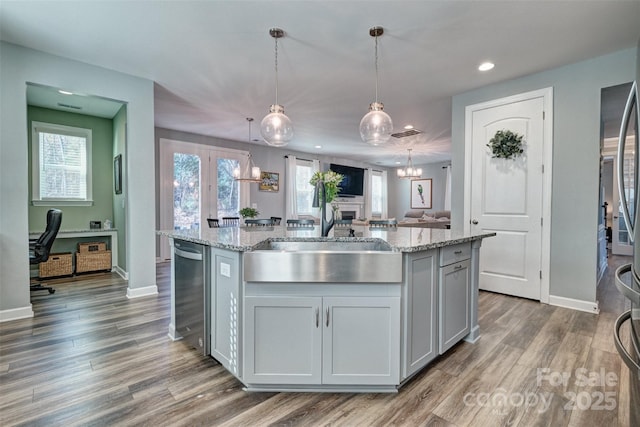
x: 327, y: 317
x: 317, y: 317
x: 457, y: 267
x: 457, y: 252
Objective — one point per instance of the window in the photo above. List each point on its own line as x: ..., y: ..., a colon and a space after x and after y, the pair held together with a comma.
x: 186, y: 191
x: 304, y: 190
x: 376, y: 193
x: 228, y: 188
x: 61, y: 164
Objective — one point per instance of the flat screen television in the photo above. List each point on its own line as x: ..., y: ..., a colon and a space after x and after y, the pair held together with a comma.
x: 353, y: 181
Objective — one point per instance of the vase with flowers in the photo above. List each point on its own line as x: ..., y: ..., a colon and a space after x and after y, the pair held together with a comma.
x: 331, y: 181
x: 326, y: 186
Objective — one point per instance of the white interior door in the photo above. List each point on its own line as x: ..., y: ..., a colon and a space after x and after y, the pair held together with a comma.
x: 506, y: 197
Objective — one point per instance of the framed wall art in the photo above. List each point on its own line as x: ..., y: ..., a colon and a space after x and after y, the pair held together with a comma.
x: 269, y: 181
x: 420, y: 193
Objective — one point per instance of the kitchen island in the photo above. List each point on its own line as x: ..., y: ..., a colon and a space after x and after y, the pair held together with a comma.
x: 288, y: 310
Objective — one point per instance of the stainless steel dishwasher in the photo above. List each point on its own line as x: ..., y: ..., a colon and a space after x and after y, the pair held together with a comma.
x: 191, y: 299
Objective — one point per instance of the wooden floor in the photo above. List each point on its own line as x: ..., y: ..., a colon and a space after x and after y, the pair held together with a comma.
x: 90, y: 356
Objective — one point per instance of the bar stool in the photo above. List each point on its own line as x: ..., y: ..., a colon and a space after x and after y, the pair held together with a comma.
x: 275, y: 220
x: 258, y: 222
x: 300, y: 223
x: 230, y: 221
x: 343, y: 222
x: 383, y: 223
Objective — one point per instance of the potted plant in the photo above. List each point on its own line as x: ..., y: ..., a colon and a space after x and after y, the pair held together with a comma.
x: 248, y: 212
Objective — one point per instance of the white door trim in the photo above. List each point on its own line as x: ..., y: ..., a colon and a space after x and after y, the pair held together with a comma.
x: 547, y: 95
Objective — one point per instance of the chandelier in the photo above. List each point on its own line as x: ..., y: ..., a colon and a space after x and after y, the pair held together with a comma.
x: 409, y: 171
x: 276, y: 127
x: 376, y: 126
x: 250, y: 173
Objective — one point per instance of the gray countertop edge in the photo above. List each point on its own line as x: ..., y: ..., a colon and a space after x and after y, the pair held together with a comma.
x: 257, y: 245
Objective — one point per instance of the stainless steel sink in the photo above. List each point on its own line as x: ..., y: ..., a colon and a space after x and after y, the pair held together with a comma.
x: 323, y: 262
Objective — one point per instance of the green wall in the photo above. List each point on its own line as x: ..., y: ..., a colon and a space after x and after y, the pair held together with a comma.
x: 78, y: 217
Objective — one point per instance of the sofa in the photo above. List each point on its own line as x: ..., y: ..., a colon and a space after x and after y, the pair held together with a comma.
x: 426, y: 219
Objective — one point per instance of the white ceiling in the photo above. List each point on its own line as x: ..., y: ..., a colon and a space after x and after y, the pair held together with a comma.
x: 213, y: 61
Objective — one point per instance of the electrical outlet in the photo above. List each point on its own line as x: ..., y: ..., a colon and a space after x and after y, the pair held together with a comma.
x: 254, y: 205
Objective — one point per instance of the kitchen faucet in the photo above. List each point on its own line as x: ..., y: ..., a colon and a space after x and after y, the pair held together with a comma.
x: 319, y: 202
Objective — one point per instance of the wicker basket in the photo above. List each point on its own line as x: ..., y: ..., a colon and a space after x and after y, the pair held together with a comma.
x: 57, y: 265
x: 88, y: 247
x: 93, y: 261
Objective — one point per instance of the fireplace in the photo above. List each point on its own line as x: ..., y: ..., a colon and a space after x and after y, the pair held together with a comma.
x: 351, y: 209
x: 348, y: 214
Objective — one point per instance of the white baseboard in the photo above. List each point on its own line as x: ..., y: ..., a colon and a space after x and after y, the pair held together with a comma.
x: 173, y: 334
x: 16, y: 313
x: 574, y: 304
x: 474, y: 335
x: 142, y: 292
x: 121, y: 272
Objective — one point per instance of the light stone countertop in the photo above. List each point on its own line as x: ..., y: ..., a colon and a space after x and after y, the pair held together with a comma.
x: 401, y: 239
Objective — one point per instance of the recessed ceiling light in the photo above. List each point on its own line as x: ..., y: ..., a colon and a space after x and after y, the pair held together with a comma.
x: 407, y: 127
x: 318, y: 146
x: 486, y: 66
x: 397, y: 163
x: 64, y: 92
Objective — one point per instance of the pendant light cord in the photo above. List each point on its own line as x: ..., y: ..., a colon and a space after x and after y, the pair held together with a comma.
x: 276, y: 70
x: 376, y: 68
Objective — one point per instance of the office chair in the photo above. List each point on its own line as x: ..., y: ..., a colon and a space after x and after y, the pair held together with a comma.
x: 40, y: 248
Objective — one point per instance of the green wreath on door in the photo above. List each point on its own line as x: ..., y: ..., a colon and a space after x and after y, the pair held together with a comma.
x: 505, y: 145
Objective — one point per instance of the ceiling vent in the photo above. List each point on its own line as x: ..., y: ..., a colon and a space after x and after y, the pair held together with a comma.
x: 74, y: 107
x: 406, y: 133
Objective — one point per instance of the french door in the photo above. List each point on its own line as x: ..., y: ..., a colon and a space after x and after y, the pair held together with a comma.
x: 196, y: 183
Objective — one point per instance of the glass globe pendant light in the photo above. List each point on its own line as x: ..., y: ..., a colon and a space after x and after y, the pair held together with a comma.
x: 276, y: 128
x: 376, y: 126
x: 251, y: 172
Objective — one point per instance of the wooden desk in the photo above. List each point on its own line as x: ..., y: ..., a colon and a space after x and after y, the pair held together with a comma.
x: 71, y: 234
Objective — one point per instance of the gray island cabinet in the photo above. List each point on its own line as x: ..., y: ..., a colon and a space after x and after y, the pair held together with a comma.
x: 290, y: 311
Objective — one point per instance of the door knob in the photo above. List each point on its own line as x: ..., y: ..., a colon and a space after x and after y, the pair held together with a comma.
x: 474, y: 222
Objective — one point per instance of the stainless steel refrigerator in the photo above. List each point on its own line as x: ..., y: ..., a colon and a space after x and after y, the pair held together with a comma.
x: 630, y: 354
